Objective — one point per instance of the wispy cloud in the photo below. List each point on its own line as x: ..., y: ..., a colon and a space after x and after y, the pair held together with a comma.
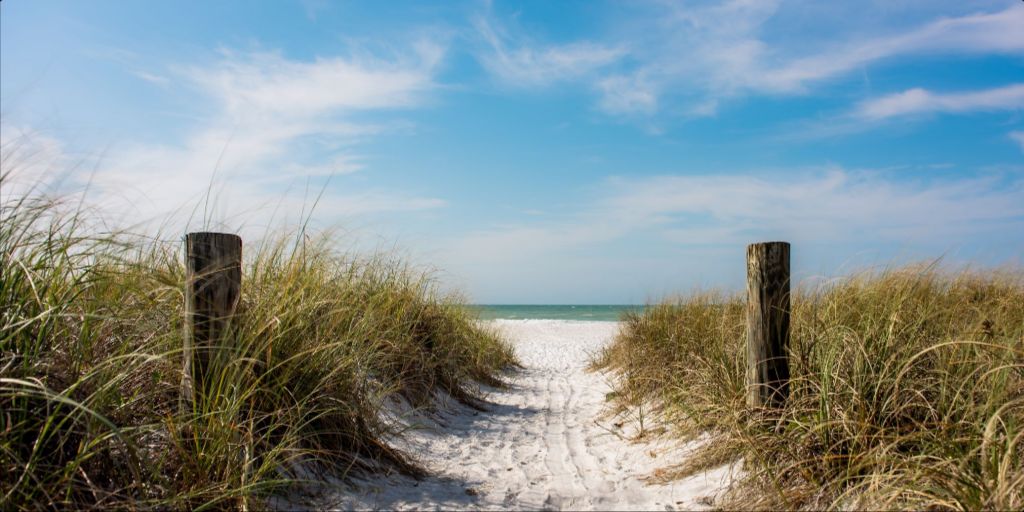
x: 273, y: 124
x: 628, y: 94
x: 521, y: 62
x: 827, y: 205
x: 336, y: 166
x: 921, y: 101
x: 1018, y: 137
x: 30, y: 159
x: 691, y: 56
x: 269, y: 83
x: 652, y: 235
x: 984, y: 33
x: 152, y: 77
x: 824, y: 205
x: 731, y: 58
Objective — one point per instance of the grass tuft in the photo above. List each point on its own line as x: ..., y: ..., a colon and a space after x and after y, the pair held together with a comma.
x: 91, y: 337
x: 907, y: 391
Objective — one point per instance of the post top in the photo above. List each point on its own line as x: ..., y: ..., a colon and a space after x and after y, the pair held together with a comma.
x: 210, y: 234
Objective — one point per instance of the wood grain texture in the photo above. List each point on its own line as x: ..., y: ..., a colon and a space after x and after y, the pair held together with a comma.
x: 767, y: 324
x: 213, y: 286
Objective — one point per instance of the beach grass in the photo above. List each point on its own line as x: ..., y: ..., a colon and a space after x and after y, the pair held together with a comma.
x: 323, y: 345
x: 907, y: 391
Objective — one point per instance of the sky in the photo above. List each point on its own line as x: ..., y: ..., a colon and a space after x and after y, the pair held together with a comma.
x: 537, y: 152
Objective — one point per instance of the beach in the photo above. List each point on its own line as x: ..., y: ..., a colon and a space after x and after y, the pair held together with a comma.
x: 544, y: 442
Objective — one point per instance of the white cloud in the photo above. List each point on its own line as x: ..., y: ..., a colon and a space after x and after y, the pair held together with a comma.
x: 523, y: 63
x: 268, y: 83
x: 698, y: 53
x: 971, y: 34
x: 646, y: 236
x: 830, y: 205
x: 30, y: 160
x: 314, y: 7
x: 152, y: 77
x: 340, y: 164
x: 826, y: 205
x: 1018, y: 137
x: 921, y: 101
x: 743, y: 61
x: 276, y: 128
x: 627, y: 94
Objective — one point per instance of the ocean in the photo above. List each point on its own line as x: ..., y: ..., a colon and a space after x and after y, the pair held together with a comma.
x: 599, y: 313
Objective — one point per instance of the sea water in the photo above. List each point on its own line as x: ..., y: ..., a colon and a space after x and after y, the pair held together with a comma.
x: 599, y: 313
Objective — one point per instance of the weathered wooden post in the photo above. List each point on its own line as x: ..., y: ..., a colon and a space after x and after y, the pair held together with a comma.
x: 213, y: 276
x: 767, y: 324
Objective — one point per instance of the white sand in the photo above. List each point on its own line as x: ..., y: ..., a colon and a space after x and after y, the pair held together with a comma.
x: 543, y: 444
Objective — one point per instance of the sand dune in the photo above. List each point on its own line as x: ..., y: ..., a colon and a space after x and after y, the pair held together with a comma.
x: 543, y: 443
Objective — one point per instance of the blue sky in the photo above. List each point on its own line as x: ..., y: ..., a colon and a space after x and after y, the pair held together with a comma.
x: 539, y: 152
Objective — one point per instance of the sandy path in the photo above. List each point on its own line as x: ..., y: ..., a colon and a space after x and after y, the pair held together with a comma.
x: 541, y: 445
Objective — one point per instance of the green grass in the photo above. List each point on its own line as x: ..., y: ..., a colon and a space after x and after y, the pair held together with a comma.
x: 907, y: 391
x: 91, y: 337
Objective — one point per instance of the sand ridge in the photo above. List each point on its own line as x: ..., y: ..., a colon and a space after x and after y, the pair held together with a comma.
x: 543, y: 443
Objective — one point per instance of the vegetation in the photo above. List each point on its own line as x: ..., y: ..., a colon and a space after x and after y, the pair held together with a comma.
x: 907, y: 391
x: 91, y: 337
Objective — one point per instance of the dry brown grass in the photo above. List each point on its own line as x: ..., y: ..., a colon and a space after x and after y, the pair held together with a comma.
x: 90, y: 365
x: 907, y: 390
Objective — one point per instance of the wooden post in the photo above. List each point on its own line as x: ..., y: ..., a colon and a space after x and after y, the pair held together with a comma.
x: 767, y: 324
x: 213, y: 276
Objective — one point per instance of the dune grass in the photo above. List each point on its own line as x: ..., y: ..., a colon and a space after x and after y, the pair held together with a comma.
x: 91, y: 337
x: 907, y: 391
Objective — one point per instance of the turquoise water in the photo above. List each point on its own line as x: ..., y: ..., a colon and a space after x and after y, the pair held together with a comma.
x: 602, y: 313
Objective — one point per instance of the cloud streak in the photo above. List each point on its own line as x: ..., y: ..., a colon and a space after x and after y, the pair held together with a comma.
x: 269, y: 83
x: 827, y: 205
x: 689, y: 57
x: 30, y: 160
x: 729, y: 57
x: 1018, y: 137
x: 921, y: 101
x: 277, y: 127
x: 652, y: 235
x: 520, y: 62
x: 985, y: 33
x: 830, y: 204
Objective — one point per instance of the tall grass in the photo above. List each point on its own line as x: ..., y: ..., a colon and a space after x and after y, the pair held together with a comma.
x: 907, y: 391
x: 91, y: 337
